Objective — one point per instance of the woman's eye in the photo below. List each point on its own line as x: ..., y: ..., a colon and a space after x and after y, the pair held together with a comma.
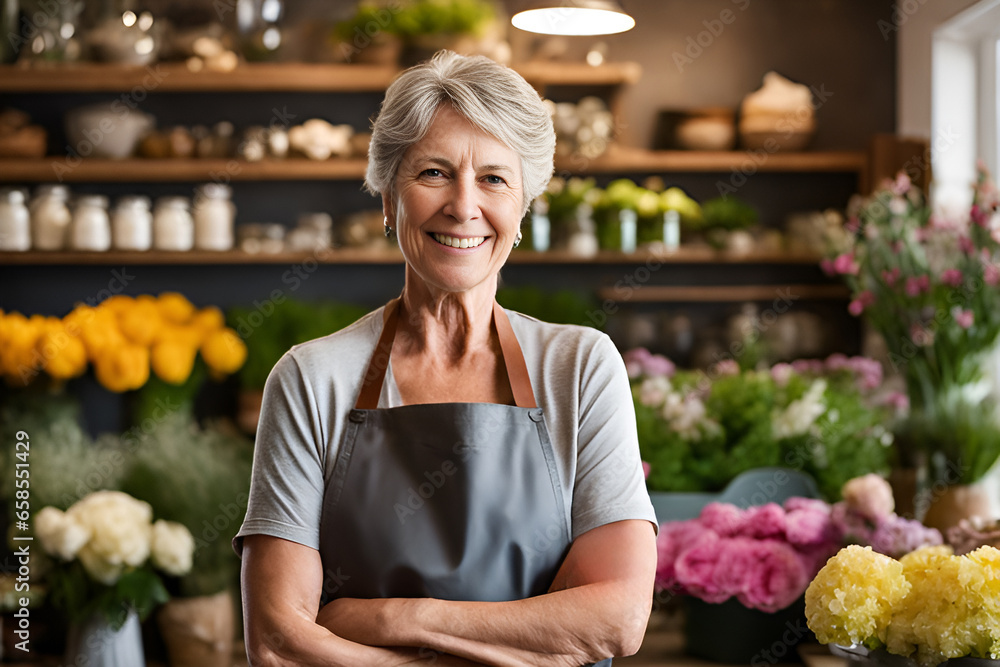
x: 492, y: 179
x: 434, y: 173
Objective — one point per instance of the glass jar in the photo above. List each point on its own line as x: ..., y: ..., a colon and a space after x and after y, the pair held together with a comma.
x: 312, y: 233
x: 15, y: 221
x: 50, y: 217
x: 132, y: 224
x: 90, y: 228
x: 671, y: 229
x: 214, y: 214
x: 173, y: 227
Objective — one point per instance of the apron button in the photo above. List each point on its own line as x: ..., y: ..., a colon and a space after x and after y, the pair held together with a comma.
x: 356, y: 416
x: 535, y: 414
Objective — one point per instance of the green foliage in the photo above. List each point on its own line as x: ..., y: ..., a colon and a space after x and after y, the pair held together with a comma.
x: 199, y: 477
x: 289, y: 323
x: 728, y: 213
x: 444, y: 17
x: 561, y: 307
x: 80, y: 596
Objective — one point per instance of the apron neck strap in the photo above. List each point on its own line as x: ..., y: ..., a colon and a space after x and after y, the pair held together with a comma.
x: 513, y: 358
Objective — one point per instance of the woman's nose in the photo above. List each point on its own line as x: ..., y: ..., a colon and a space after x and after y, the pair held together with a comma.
x: 463, y: 204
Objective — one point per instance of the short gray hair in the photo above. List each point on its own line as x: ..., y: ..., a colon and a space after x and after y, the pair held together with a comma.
x: 494, y: 98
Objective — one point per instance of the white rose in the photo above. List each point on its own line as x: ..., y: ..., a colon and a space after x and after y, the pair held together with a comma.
x: 59, y: 534
x: 173, y: 547
x: 120, y: 527
x: 98, y: 567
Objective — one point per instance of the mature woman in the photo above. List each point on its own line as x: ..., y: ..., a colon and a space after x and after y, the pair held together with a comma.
x: 444, y: 479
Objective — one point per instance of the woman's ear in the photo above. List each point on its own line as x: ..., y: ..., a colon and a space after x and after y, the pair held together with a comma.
x: 389, y: 210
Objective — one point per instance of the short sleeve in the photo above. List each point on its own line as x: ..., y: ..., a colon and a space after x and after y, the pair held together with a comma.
x: 287, y: 484
x: 610, y: 485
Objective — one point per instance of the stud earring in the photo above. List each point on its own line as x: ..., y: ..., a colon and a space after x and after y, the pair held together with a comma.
x: 517, y: 241
x: 388, y: 229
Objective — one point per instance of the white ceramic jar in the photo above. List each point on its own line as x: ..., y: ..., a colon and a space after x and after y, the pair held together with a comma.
x: 214, y: 215
x: 50, y: 217
x: 15, y: 221
x: 90, y: 228
x: 132, y: 224
x: 173, y: 227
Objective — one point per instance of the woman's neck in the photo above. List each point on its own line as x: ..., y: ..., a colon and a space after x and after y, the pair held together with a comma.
x: 445, y: 325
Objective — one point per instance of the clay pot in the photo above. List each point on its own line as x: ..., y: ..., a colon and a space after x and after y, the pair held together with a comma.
x: 199, y: 631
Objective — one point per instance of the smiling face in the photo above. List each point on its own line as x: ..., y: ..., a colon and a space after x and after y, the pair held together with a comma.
x: 457, y: 207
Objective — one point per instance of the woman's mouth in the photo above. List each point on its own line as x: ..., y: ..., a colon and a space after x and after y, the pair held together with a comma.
x: 454, y: 242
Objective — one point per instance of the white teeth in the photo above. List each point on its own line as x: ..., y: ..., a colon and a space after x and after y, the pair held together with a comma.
x: 459, y: 243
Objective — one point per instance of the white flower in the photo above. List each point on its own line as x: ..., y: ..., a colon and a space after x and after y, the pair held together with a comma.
x: 653, y: 391
x: 173, y: 547
x: 59, y: 534
x: 686, y: 415
x: 120, y: 528
x: 800, y: 415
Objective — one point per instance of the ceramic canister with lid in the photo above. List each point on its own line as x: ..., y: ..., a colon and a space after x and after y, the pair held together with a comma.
x: 132, y: 224
x: 214, y: 214
x: 173, y: 227
x: 50, y: 217
x: 90, y: 228
x: 15, y: 221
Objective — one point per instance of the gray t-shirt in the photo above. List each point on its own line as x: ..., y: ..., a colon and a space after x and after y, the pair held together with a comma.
x: 579, y: 381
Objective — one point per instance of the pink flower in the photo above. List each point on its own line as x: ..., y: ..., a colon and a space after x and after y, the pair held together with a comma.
x: 862, y: 301
x: 658, y: 365
x: 895, y: 536
x: 810, y: 526
x: 902, y: 184
x: 952, y: 277
x: 827, y: 266
x: 966, y: 245
x: 991, y: 274
x: 845, y: 264
x: 764, y: 521
x: 890, y: 277
x: 639, y: 361
x: 777, y: 578
x: 964, y: 318
x: 695, y: 570
x: 852, y: 525
x: 725, y: 519
x: 808, y: 366
x: 979, y: 215
x: 645, y: 469
x: 674, y: 538
x: 897, y: 400
x: 633, y: 361
x: 917, y: 285
x: 781, y: 373
x: 870, y: 496
x: 727, y: 367
x: 853, y: 224
x: 738, y: 558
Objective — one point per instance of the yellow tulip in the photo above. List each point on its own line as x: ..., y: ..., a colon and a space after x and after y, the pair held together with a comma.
x: 175, y: 307
x: 63, y: 354
x: 117, y: 303
x: 172, y: 361
x: 19, y: 359
x: 99, y: 332
x: 140, y: 322
x: 122, y: 367
x: 209, y: 319
x: 190, y: 336
x: 224, y: 351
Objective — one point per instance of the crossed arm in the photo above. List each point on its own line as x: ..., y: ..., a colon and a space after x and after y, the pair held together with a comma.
x: 597, y: 608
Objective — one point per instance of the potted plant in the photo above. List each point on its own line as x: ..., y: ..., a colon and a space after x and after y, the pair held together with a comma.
x: 370, y: 35
x: 928, y: 284
x: 463, y: 26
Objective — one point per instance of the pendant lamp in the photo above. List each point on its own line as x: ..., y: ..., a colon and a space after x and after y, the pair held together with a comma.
x: 574, y: 17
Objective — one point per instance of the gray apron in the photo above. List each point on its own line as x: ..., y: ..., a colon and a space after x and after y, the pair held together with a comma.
x: 454, y: 501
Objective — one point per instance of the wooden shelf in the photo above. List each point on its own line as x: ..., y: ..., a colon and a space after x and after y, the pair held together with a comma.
x: 135, y: 170
x: 623, y: 159
x: 269, y: 77
x: 360, y: 256
x: 721, y: 293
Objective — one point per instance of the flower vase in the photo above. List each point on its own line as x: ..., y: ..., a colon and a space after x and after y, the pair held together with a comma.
x: 93, y: 642
x: 735, y: 634
x: 198, y: 631
x: 950, y: 504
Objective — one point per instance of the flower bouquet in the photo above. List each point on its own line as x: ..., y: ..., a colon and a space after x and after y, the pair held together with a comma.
x: 929, y: 285
x: 929, y: 606
x: 107, y: 551
x: 698, y: 430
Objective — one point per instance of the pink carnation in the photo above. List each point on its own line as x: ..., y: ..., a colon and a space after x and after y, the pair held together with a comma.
x: 764, y: 521
x: 777, y: 578
x: 725, y: 519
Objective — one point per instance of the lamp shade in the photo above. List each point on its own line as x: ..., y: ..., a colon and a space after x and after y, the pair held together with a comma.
x: 574, y: 17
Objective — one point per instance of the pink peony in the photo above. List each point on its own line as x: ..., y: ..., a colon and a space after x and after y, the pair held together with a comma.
x: 776, y: 579
x: 764, y: 521
x: 870, y: 496
x: 952, y: 277
x: 738, y: 557
x: 673, y: 539
x: 808, y: 526
x: 724, y: 519
x: 696, y: 568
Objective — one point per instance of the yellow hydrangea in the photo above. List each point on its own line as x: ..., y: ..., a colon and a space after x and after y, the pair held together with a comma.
x: 175, y: 307
x: 852, y: 598
x: 122, y: 367
x: 224, y: 351
x: 172, y: 361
